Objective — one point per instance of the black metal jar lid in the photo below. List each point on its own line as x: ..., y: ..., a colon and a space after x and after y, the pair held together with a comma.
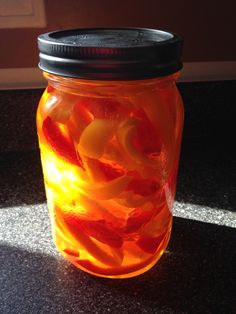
x: 110, y: 53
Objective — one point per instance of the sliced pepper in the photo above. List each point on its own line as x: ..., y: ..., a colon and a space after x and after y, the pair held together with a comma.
x: 161, y: 221
x: 59, y: 143
x: 50, y: 89
x: 110, y: 172
x: 107, y: 190
x: 59, y: 106
x: 144, y: 187
x: 99, y: 187
x: 72, y: 252
x: 130, y: 200
x: 98, y: 229
x: 126, y: 134
x: 98, y: 171
x: 94, y: 138
x: 147, y: 140
x: 78, y: 121
x: 116, y: 157
x: 103, y: 233
x: 93, y: 170
x: 150, y: 245
x: 137, y: 218
x: 102, y: 210
x: 113, y: 271
x: 158, y: 113
x: 68, y: 221
x: 103, y: 108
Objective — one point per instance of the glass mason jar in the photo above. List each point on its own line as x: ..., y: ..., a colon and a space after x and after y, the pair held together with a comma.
x: 109, y: 127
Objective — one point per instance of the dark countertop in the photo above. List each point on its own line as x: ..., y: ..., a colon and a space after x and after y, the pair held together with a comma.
x: 197, y: 272
x: 195, y: 275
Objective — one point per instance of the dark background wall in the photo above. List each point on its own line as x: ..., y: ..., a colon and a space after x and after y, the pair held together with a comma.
x: 208, y: 27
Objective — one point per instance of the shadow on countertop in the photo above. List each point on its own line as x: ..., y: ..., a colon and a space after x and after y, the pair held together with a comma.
x: 195, y: 275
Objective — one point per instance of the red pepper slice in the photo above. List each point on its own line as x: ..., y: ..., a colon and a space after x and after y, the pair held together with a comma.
x: 50, y: 89
x: 59, y: 143
x: 103, y: 233
x: 72, y: 228
x: 96, y: 229
x: 71, y: 252
x: 110, y: 172
x: 143, y: 187
x: 113, y: 271
x: 137, y: 219
x: 149, y: 244
x: 147, y: 138
x: 102, y: 108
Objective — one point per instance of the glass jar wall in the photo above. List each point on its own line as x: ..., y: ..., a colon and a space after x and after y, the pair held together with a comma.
x: 110, y: 152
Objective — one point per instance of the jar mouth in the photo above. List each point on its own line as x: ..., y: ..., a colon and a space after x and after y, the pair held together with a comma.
x: 110, y: 53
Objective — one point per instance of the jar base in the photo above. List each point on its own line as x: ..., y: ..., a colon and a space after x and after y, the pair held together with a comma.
x: 123, y: 276
x: 129, y: 271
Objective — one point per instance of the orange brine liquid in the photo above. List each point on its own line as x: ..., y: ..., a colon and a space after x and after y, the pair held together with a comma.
x: 110, y: 156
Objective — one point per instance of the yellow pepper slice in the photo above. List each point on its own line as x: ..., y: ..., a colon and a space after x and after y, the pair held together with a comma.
x: 108, y: 190
x: 73, y: 180
x: 130, y: 200
x: 95, y: 136
x: 115, y: 154
x: 107, y: 209
x: 126, y: 134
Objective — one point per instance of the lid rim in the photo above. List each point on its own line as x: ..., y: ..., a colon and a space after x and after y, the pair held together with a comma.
x: 56, y: 54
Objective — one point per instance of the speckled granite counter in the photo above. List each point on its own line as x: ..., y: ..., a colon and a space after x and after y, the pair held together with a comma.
x: 195, y: 275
